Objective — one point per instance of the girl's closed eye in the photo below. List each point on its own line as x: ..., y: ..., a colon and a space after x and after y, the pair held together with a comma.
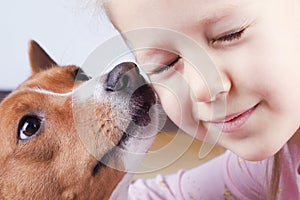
x: 229, y: 37
x: 166, y: 67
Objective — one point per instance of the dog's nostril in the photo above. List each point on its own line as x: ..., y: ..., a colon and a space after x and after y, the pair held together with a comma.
x: 123, y: 76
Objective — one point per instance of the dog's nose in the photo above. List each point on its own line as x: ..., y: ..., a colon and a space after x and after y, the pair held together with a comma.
x: 124, y: 76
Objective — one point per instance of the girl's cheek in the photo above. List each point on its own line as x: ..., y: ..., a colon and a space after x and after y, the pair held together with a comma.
x: 170, y: 102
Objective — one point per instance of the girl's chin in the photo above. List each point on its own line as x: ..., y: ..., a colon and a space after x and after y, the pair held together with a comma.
x: 256, y: 154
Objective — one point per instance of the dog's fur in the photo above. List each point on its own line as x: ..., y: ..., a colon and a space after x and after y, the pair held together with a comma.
x: 77, y: 129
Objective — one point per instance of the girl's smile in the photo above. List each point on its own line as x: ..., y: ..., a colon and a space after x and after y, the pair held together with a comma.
x: 233, y: 122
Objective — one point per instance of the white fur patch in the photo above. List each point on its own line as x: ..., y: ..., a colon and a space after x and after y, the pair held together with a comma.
x: 48, y: 92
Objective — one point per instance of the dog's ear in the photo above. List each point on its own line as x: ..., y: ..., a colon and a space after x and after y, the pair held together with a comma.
x: 38, y: 58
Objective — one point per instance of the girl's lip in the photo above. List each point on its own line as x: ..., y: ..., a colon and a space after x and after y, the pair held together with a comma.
x: 234, y: 121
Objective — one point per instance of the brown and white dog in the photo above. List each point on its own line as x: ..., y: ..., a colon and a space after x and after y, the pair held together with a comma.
x: 66, y: 136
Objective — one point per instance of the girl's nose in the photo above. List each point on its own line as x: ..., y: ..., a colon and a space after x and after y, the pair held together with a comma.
x: 208, y: 86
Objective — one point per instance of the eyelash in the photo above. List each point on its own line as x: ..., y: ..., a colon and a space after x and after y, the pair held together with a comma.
x: 166, y: 67
x: 229, y: 37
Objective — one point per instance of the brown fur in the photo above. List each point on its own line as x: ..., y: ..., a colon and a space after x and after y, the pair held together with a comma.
x: 55, y: 164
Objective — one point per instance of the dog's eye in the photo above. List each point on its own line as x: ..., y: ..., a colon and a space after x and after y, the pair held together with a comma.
x: 29, y: 127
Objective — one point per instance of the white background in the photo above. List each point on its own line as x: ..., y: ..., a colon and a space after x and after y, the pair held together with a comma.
x: 67, y: 29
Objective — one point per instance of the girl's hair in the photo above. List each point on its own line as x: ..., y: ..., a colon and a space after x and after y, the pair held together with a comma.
x: 273, y: 182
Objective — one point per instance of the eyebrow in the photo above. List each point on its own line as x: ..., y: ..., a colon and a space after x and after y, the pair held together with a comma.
x: 217, y: 14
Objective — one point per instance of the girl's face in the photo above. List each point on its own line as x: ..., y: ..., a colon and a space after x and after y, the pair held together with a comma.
x: 250, y: 93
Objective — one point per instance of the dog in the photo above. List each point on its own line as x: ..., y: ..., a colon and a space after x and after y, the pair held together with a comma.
x: 67, y: 136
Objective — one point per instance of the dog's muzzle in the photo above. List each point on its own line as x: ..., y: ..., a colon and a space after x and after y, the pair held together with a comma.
x: 125, y: 78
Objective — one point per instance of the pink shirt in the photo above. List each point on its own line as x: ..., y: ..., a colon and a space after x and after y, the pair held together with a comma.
x: 225, y: 177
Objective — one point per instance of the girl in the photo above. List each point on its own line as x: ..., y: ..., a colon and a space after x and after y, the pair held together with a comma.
x: 248, y: 92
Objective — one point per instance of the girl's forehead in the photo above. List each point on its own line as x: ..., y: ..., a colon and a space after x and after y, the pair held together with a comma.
x: 131, y: 14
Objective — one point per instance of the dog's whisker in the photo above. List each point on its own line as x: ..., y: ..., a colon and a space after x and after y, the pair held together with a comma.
x: 88, y: 121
